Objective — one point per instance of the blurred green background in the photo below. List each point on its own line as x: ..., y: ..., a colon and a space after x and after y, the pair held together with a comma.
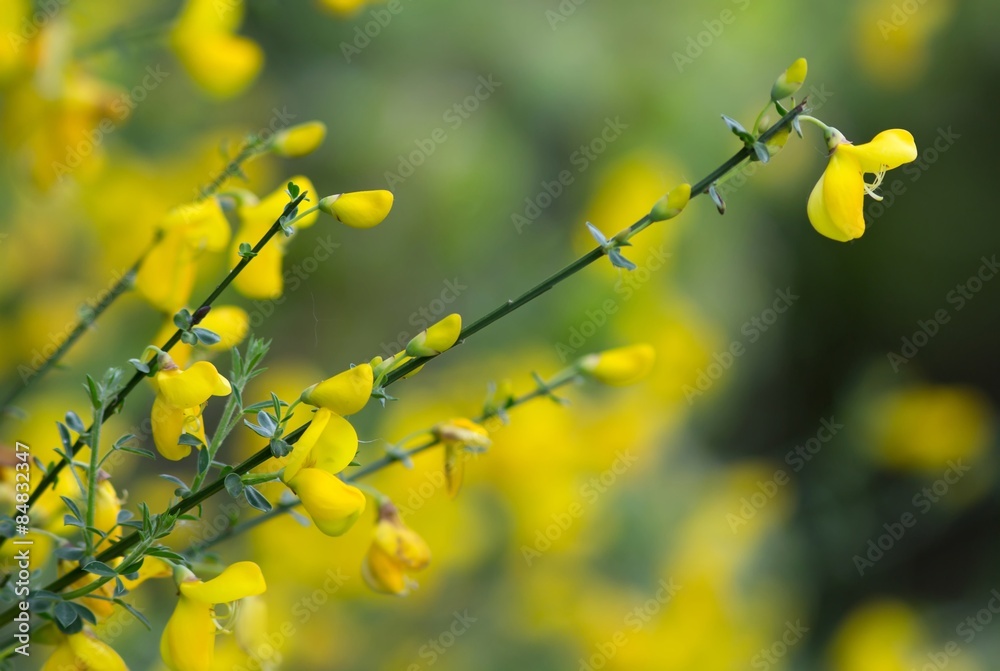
x: 774, y: 561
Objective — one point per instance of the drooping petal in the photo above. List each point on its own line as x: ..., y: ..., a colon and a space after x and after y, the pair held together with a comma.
x: 191, y: 387
x: 333, y: 505
x: 169, y: 423
x: 889, y: 149
x: 836, y: 204
x: 345, y: 393
x: 188, y: 641
x: 237, y: 581
x: 301, y: 456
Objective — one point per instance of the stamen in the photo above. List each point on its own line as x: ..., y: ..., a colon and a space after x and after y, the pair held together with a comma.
x: 879, y: 176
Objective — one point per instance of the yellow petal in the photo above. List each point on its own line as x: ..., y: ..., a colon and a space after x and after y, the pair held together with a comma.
x: 299, y: 140
x: 440, y: 337
x: 62, y: 659
x: 223, y: 65
x: 95, y: 655
x: 337, y: 445
x: 403, y: 544
x: 239, y: 580
x: 360, y: 209
x: 836, y: 204
x: 188, y: 641
x: 209, y: 16
x: 168, y: 425
x: 333, y: 505
x: 152, y: 567
x: 230, y: 323
x: 262, y: 278
x: 343, y: 394
x: 191, y: 387
x: 301, y: 455
x: 382, y: 573
x: 621, y: 366
x: 203, y: 223
x: 166, y: 275
x: 889, y: 149
x: 269, y: 208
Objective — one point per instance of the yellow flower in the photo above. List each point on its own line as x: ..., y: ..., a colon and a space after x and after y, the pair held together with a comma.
x: 836, y: 205
x: 438, y: 338
x: 262, y: 278
x: 188, y: 642
x: 360, y: 209
x: 84, y: 652
x: 167, y: 274
x: 458, y: 436
x: 343, y: 7
x: 672, y: 204
x: 343, y: 394
x: 326, y: 448
x: 396, y: 550
x: 299, y: 140
x: 220, y: 62
x: 790, y: 80
x: 619, y: 367
x: 881, y: 635
x: 177, y: 408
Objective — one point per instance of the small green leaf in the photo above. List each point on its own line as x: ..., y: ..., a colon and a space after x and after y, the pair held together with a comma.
x: 246, y: 251
x: 205, y: 336
x: 190, y: 439
x: 256, y: 499
x: 233, y: 485
x: 74, y: 422
x: 139, y: 365
x: 101, y: 569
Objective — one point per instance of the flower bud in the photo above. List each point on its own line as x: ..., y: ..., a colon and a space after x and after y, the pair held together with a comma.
x: 345, y: 393
x: 671, y: 204
x: 619, y: 367
x: 360, y: 209
x: 299, y: 140
x: 436, y: 339
x: 790, y: 80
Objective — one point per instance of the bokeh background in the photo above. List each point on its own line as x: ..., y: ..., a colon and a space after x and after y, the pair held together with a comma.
x: 748, y: 511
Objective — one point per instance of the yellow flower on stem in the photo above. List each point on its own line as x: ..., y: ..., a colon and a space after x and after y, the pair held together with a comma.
x: 177, y: 408
x: 188, y: 642
x: 220, y: 62
x: 167, y: 274
x: 619, y: 367
x: 262, y: 278
x: 343, y: 394
x: 299, y: 140
x: 440, y: 337
x: 360, y: 209
x: 836, y: 204
x: 326, y: 448
x: 395, y: 552
x: 84, y: 652
x: 459, y: 437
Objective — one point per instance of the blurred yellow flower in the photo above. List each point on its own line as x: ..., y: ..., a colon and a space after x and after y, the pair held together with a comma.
x: 262, y: 278
x: 396, y: 550
x: 177, y: 408
x: 619, y: 367
x: 166, y: 276
x: 893, y: 38
x: 299, y: 140
x: 879, y: 636
x: 437, y: 338
x: 459, y: 435
x: 836, y: 204
x: 359, y: 209
x: 188, y: 642
x: 927, y: 426
x: 84, y: 652
x: 343, y: 7
x: 220, y: 62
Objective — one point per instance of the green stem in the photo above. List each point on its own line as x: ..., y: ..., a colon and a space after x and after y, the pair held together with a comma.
x: 95, y: 443
x: 264, y: 454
